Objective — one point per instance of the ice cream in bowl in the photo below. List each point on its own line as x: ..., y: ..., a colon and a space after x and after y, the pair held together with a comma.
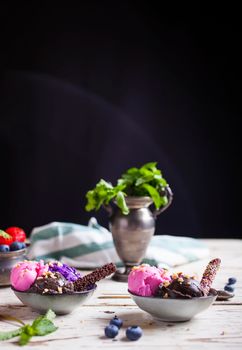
x: 54, y: 285
x: 172, y: 297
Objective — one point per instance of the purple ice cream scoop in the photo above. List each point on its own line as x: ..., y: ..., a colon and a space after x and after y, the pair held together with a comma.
x: 70, y: 273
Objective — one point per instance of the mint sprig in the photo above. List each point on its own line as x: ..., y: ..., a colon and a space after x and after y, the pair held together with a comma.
x: 144, y: 181
x: 41, y: 326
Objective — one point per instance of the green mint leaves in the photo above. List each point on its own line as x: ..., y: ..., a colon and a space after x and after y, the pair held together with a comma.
x: 42, y: 325
x: 144, y: 181
x: 10, y: 334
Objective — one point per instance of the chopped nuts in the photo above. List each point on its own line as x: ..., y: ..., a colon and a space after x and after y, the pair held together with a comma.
x: 166, y: 283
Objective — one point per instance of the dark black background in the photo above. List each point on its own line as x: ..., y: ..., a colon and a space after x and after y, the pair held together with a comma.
x: 87, y: 92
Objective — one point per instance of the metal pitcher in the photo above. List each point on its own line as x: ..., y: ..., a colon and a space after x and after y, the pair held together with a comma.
x: 132, y: 233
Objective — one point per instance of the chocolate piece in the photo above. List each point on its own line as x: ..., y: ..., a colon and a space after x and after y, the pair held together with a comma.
x: 86, y: 282
x: 181, y: 287
x: 51, y: 283
x: 209, y: 275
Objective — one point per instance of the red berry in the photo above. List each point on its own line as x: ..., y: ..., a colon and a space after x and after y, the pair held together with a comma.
x: 5, y: 238
x: 17, y: 233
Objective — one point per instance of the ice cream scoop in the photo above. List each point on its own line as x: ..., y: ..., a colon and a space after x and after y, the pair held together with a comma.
x: 70, y: 273
x: 144, y: 280
x: 24, y: 274
x: 181, y: 286
x: 51, y: 283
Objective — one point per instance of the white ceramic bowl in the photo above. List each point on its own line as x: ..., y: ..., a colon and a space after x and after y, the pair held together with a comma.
x: 61, y: 304
x: 173, y: 310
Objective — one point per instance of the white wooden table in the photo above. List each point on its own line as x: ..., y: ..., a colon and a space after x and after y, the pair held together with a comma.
x: 219, y: 327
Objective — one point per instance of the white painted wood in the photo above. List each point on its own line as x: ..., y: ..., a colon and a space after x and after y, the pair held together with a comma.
x: 219, y: 327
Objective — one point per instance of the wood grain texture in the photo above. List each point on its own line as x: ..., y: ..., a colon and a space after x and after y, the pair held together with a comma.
x: 219, y: 327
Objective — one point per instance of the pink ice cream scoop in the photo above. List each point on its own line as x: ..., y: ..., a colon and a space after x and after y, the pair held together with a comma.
x: 24, y: 274
x: 144, y: 280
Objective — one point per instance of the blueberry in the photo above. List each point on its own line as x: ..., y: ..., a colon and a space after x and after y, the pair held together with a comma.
x: 117, y: 322
x: 229, y: 288
x: 232, y: 280
x: 111, y: 331
x: 4, y: 248
x: 16, y: 246
x: 134, y: 332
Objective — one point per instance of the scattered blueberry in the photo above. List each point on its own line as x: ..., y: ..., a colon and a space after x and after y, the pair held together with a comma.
x: 134, y: 332
x: 111, y: 331
x: 229, y: 288
x: 232, y: 280
x: 117, y: 322
x: 4, y: 248
x: 16, y: 246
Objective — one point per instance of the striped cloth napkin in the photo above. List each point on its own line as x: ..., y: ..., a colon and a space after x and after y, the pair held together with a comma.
x: 92, y: 246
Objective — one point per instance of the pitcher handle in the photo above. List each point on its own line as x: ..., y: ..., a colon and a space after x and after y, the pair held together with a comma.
x: 169, y: 195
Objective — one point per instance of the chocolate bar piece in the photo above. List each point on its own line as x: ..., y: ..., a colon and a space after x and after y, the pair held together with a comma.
x: 90, y: 279
x: 209, y: 275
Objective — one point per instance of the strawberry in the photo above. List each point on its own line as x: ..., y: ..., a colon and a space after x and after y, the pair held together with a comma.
x: 5, y: 238
x: 17, y: 233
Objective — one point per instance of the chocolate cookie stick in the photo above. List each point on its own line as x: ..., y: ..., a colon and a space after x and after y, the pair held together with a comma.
x: 209, y: 275
x: 83, y: 283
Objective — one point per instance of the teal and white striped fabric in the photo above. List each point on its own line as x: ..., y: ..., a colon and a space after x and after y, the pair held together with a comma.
x: 91, y: 246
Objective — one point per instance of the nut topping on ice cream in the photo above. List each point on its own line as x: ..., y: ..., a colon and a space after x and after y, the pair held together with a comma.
x: 51, y: 283
x: 182, y: 287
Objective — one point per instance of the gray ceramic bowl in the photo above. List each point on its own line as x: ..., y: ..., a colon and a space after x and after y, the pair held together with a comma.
x: 61, y: 304
x: 173, y: 310
x: 7, y: 261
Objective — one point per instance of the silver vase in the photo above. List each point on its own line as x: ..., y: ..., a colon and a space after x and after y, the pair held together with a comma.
x: 132, y: 233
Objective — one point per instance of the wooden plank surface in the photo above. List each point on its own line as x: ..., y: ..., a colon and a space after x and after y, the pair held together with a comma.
x: 219, y: 327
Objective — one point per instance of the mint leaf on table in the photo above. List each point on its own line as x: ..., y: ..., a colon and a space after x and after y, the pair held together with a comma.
x: 24, y: 338
x: 11, y: 334
x: 50, y: 315
x: 41, y: 326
